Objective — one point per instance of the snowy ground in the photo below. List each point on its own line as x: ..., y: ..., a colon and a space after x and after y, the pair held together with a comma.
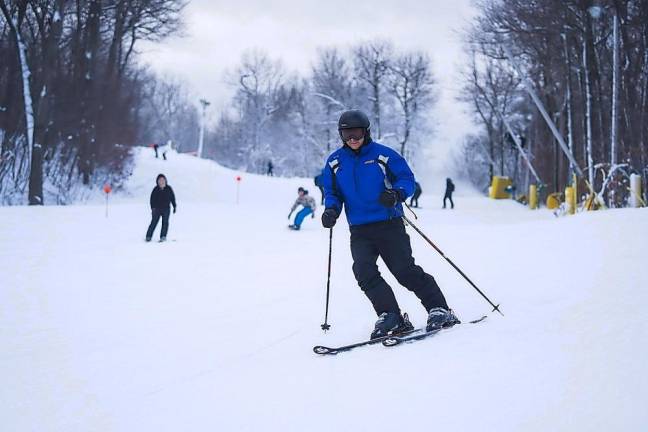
x: 100, y: 331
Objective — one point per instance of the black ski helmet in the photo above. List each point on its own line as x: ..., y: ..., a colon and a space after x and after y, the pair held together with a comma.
x: 353, y: 119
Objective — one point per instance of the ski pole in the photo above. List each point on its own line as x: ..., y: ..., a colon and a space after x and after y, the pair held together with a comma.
x: 410, y: 209
x: 495, y: 308
x: 326, y: 326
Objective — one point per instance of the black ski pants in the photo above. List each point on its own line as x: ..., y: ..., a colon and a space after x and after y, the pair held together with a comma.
x: 389, y: 240
x: 156, y: 214
x: 448, y: 195
x: 414, y: 199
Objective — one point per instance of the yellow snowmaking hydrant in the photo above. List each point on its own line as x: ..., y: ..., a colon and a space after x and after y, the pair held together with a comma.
x: 498, y: 187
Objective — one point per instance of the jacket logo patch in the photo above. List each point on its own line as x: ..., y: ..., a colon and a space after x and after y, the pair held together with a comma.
x: 369, y: 162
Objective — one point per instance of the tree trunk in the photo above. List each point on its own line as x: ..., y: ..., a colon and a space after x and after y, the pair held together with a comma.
x: 408, y: 126
x: 570, y: 124
x: 35, y: 156
x: 501, y: 142
x: 376, y: 108
x: 615, y: 91
x: 588, y: 116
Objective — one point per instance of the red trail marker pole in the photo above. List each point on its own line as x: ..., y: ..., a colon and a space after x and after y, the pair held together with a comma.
x: 238, y: 187
x: 107, y: 190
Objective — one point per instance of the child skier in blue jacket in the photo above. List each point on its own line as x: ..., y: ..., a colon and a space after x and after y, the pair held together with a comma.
x: 308, y: 208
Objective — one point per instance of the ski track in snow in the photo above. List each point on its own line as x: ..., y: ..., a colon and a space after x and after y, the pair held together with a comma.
x: 214, y: 331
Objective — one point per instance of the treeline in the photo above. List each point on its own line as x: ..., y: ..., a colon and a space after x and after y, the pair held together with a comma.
x: 588, y: 62
x: 72, y: 97
x: 291, y: 120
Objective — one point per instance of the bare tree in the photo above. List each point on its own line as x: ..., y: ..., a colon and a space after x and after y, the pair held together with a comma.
x: 371, y: 61
x: 411, y: 83
x: 292, y: 120
x: 569, y: 50
x: 259, y: 80
x: 34, y: 149
x: 490, y: 88
x: 75, y: 77
x: 333, y: 88
x: 169, y: 113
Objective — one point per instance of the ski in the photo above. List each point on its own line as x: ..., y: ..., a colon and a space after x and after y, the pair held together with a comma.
x: 323, y: 350
x: 390, y: 341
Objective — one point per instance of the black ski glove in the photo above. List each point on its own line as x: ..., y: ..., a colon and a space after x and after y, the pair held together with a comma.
x: 390, y: 197
x: 329, y: 217
x: 174, y: 209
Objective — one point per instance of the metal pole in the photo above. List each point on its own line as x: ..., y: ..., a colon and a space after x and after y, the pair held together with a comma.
x: 554, y: 130
x: 519, y: 147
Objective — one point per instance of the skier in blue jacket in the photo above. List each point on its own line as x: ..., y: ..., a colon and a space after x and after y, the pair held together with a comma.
x: 371, y: 181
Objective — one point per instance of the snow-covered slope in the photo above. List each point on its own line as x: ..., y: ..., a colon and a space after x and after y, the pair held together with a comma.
x: 213, y: 331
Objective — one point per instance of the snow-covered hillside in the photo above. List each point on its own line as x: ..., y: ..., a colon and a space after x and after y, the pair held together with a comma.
x: 100, y: 331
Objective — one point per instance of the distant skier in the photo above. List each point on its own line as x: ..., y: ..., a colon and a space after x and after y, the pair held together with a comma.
x: 318, y: 182
x: 270, y: 171
x: 155, y: 149
x: 162, y: 197
x: 308, y: 208
x: 417, y: 193
x: 371, y: 181
x: 165, y: 148
x: 450, y: 187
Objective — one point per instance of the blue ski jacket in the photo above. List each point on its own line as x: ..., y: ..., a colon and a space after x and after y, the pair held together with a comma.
x: 356, y: 180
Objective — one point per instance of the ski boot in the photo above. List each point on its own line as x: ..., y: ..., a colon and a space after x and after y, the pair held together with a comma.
x: 391, y: 323
x: 162, y: 239
x: 148, y: 239
x: 293, y: 227
x: 439, y: 318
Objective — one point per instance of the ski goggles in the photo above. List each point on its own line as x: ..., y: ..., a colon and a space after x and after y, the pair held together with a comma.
x: 355, y: 134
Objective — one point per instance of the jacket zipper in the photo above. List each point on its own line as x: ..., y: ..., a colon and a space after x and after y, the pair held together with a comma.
x: 355, y: 172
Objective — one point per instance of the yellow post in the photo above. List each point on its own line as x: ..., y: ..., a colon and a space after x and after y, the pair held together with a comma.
x: 498, y: 187
x: 533, y: 197
x: 554, y: 200
x: 635, y: 191
x: 570, y: 200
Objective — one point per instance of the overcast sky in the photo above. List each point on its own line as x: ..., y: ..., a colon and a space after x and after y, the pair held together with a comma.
x: 219, y: 31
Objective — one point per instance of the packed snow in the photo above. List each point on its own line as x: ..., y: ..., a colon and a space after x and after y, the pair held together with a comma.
x: 214, y: 329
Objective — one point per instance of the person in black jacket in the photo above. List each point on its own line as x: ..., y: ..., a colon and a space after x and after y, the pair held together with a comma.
x: 450, y: 187
x: 417, y: 193
x: 162, y: 197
